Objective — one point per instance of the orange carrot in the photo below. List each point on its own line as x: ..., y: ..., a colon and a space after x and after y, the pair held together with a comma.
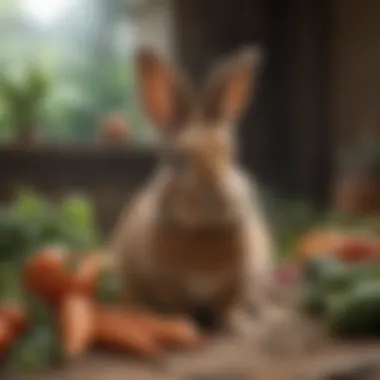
x: 177, y: 332
x: 76, y: 324
x: 46, y: 275
x: 358, y: 248
x: 118, y: 330
x: 14, y: 315
x: 6, y: 336
x: 88, y: 274
x: 317, y: 242
x: 353, y: 249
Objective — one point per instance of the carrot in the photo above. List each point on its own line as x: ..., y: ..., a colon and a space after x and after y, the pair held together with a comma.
x: 120, y: 331
x: 354, y: 248
x: 46, y: 275
x: 14, y: 315
x: 176, y: 332
x: 317, y: 242
x: 6, y: 336
x: 88, y: 274
x: 76, y: 324
x: 179, y: 333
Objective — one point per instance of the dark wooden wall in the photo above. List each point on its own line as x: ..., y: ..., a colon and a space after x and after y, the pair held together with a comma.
x: 108, y: 176
x: 286, y: 137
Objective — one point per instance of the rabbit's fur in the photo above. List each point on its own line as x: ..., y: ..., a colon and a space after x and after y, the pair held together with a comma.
x: 194, y: 238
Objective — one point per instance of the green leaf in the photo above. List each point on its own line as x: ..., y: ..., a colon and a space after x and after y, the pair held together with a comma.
x: 16, y: 236
x: 78, y: 217
x: 37, y: 351
x: 329, y: 273
x: 78, y: 210
x: 358, y: 312
x: 39, y: 348
x: 11, y: 288
x: 30, y: 207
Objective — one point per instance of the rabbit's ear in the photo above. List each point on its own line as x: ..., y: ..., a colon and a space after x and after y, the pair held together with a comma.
x: 229, y: 86
x: 166, y: 94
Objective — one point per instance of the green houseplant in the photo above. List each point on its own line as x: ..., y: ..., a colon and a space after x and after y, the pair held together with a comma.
x: 22, y: 101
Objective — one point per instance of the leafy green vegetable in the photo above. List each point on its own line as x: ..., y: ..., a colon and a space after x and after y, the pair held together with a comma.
x: 16, y: 236
x: 328, y: 272
x: 314, y: 268
x: 30, y: 207
x: 38, y: 350
x: 77, y: 217
x: 32, y: 221
x: 10, y: 284
x: 365, y: 271
x: 356, y: 313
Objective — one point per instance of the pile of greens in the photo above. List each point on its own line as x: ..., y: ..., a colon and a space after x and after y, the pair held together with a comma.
x: 345, y: 296
x: 32, y: 221
x: 27, y: 224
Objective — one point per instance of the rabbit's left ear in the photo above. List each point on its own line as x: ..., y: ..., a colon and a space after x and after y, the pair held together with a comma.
x: 228, y: 88
x: 166, y: 93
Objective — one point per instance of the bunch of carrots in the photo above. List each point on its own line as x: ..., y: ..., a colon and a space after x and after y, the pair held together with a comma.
x: 82, y: 321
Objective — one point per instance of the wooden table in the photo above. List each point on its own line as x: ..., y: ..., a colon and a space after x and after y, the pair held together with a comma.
x: 223, y: 359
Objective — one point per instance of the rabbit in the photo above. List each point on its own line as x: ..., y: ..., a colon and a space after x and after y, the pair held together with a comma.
x: 194, y: 240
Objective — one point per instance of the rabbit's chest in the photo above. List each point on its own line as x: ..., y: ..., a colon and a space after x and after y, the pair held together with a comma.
x: 203, y: 261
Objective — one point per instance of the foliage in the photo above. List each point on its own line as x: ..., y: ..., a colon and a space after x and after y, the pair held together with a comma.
x: 32, y: 221
x: 91, y: 77
x: 39, y: 347
x: 28, y: 223
x: 37, y: 350
x: 22, y: 100
x: 344, y: 296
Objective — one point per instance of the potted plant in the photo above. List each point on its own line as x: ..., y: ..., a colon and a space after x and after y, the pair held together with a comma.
x: 23, y: 101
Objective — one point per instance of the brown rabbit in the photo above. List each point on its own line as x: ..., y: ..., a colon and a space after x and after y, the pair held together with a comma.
x: 194, y: 239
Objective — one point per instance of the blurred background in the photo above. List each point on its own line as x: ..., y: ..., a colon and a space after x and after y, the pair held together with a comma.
x: 70, y: 120
x: 74, y: 144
